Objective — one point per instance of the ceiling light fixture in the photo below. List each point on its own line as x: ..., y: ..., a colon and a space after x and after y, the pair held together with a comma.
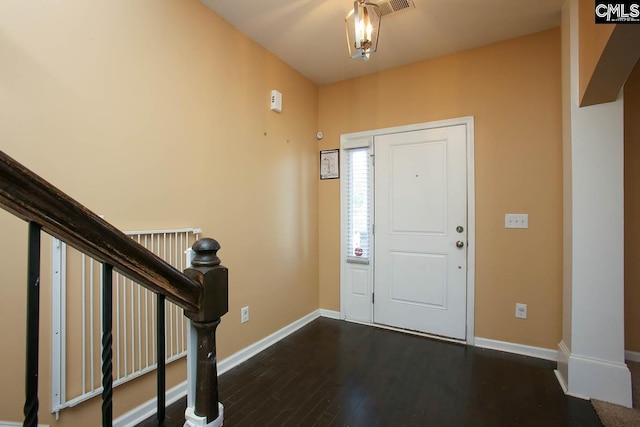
x: 362, y: 24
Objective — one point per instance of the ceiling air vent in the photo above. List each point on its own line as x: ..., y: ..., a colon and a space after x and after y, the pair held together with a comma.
x: 389, y: 7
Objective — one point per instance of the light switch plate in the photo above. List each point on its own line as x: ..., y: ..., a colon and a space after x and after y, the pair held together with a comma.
x: 516, y: 220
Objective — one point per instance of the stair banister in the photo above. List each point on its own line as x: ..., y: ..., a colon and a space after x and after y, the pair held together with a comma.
x: 202, y: 291
x: 33, y: 199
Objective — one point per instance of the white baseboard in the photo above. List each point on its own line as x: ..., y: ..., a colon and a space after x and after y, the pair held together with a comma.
x: 331, y: 314
x: 12, y: 424
x: 255, y: 348
x: 147, y: 409
x: 633, y: 356
x: 563, y: 384
x: 524, y: 350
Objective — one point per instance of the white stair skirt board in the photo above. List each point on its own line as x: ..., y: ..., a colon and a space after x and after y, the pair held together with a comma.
x: 193, y: 420
x: 147, y: 409
x: 524, y: 350
x: 632, y: 356
x: 590, y: 378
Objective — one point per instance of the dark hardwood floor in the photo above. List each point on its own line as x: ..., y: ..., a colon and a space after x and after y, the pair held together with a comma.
x: 336, y: 373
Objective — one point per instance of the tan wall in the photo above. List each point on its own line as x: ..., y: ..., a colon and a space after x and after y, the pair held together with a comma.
x: 156, y: 114
x: 513, y: 89
x: 632, y: 211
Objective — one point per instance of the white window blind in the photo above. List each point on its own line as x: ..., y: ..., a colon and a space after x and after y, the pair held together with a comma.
x: 358, y: 205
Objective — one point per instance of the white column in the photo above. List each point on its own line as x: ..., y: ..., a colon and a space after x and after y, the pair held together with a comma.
x: 591, y: 357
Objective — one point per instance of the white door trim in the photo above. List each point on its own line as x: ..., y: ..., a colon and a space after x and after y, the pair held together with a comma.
x: 365, y: 138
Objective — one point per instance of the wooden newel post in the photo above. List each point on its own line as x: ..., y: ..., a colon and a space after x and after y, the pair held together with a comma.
x: 214, y: 302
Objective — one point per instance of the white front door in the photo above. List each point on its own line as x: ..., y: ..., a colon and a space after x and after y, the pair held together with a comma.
x: 420, y: 230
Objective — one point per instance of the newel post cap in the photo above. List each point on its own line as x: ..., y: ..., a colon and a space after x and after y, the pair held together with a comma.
x: 214, y: 280
x: 206, y: 250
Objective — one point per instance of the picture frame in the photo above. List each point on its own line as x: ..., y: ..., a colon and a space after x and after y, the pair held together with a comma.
x: 330, y: 164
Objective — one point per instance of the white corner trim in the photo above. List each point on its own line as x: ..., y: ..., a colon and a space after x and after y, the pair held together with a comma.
x: 147, y: 409
x: 632, y: 356
x: 255, y: 348
x: 564, y: 350
x: 524, y: 350
x: 331, y: 314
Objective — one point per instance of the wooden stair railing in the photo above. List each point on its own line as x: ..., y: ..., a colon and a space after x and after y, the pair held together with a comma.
x: 201, y: 291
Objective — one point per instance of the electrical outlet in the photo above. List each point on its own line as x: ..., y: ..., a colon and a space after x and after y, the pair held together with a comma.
x: 521, y: 311
x: 244, y: 314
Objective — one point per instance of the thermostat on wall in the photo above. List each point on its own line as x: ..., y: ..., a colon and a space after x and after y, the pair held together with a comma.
x: 276, y: 101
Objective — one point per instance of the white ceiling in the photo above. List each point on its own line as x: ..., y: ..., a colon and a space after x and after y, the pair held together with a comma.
x: 309, y: 35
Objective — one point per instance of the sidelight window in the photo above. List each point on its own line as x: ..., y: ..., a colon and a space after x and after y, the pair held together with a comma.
x: 358, y: 205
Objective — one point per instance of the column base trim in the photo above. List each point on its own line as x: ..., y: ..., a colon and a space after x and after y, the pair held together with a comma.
x: 193, y: 420
x: 591, y: 378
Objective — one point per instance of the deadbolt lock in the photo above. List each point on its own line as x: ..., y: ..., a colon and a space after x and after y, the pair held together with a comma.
x: 459, y: 229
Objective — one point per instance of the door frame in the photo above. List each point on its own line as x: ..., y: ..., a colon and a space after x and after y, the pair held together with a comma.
x: 366, y: 139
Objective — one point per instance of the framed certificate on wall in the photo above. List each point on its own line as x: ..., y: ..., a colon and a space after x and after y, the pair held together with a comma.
x: 329, y: 164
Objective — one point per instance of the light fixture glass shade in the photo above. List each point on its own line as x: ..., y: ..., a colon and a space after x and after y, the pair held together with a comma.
x: 362, y: 25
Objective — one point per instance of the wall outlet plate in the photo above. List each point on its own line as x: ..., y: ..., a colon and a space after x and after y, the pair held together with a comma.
x: 521, y: 311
